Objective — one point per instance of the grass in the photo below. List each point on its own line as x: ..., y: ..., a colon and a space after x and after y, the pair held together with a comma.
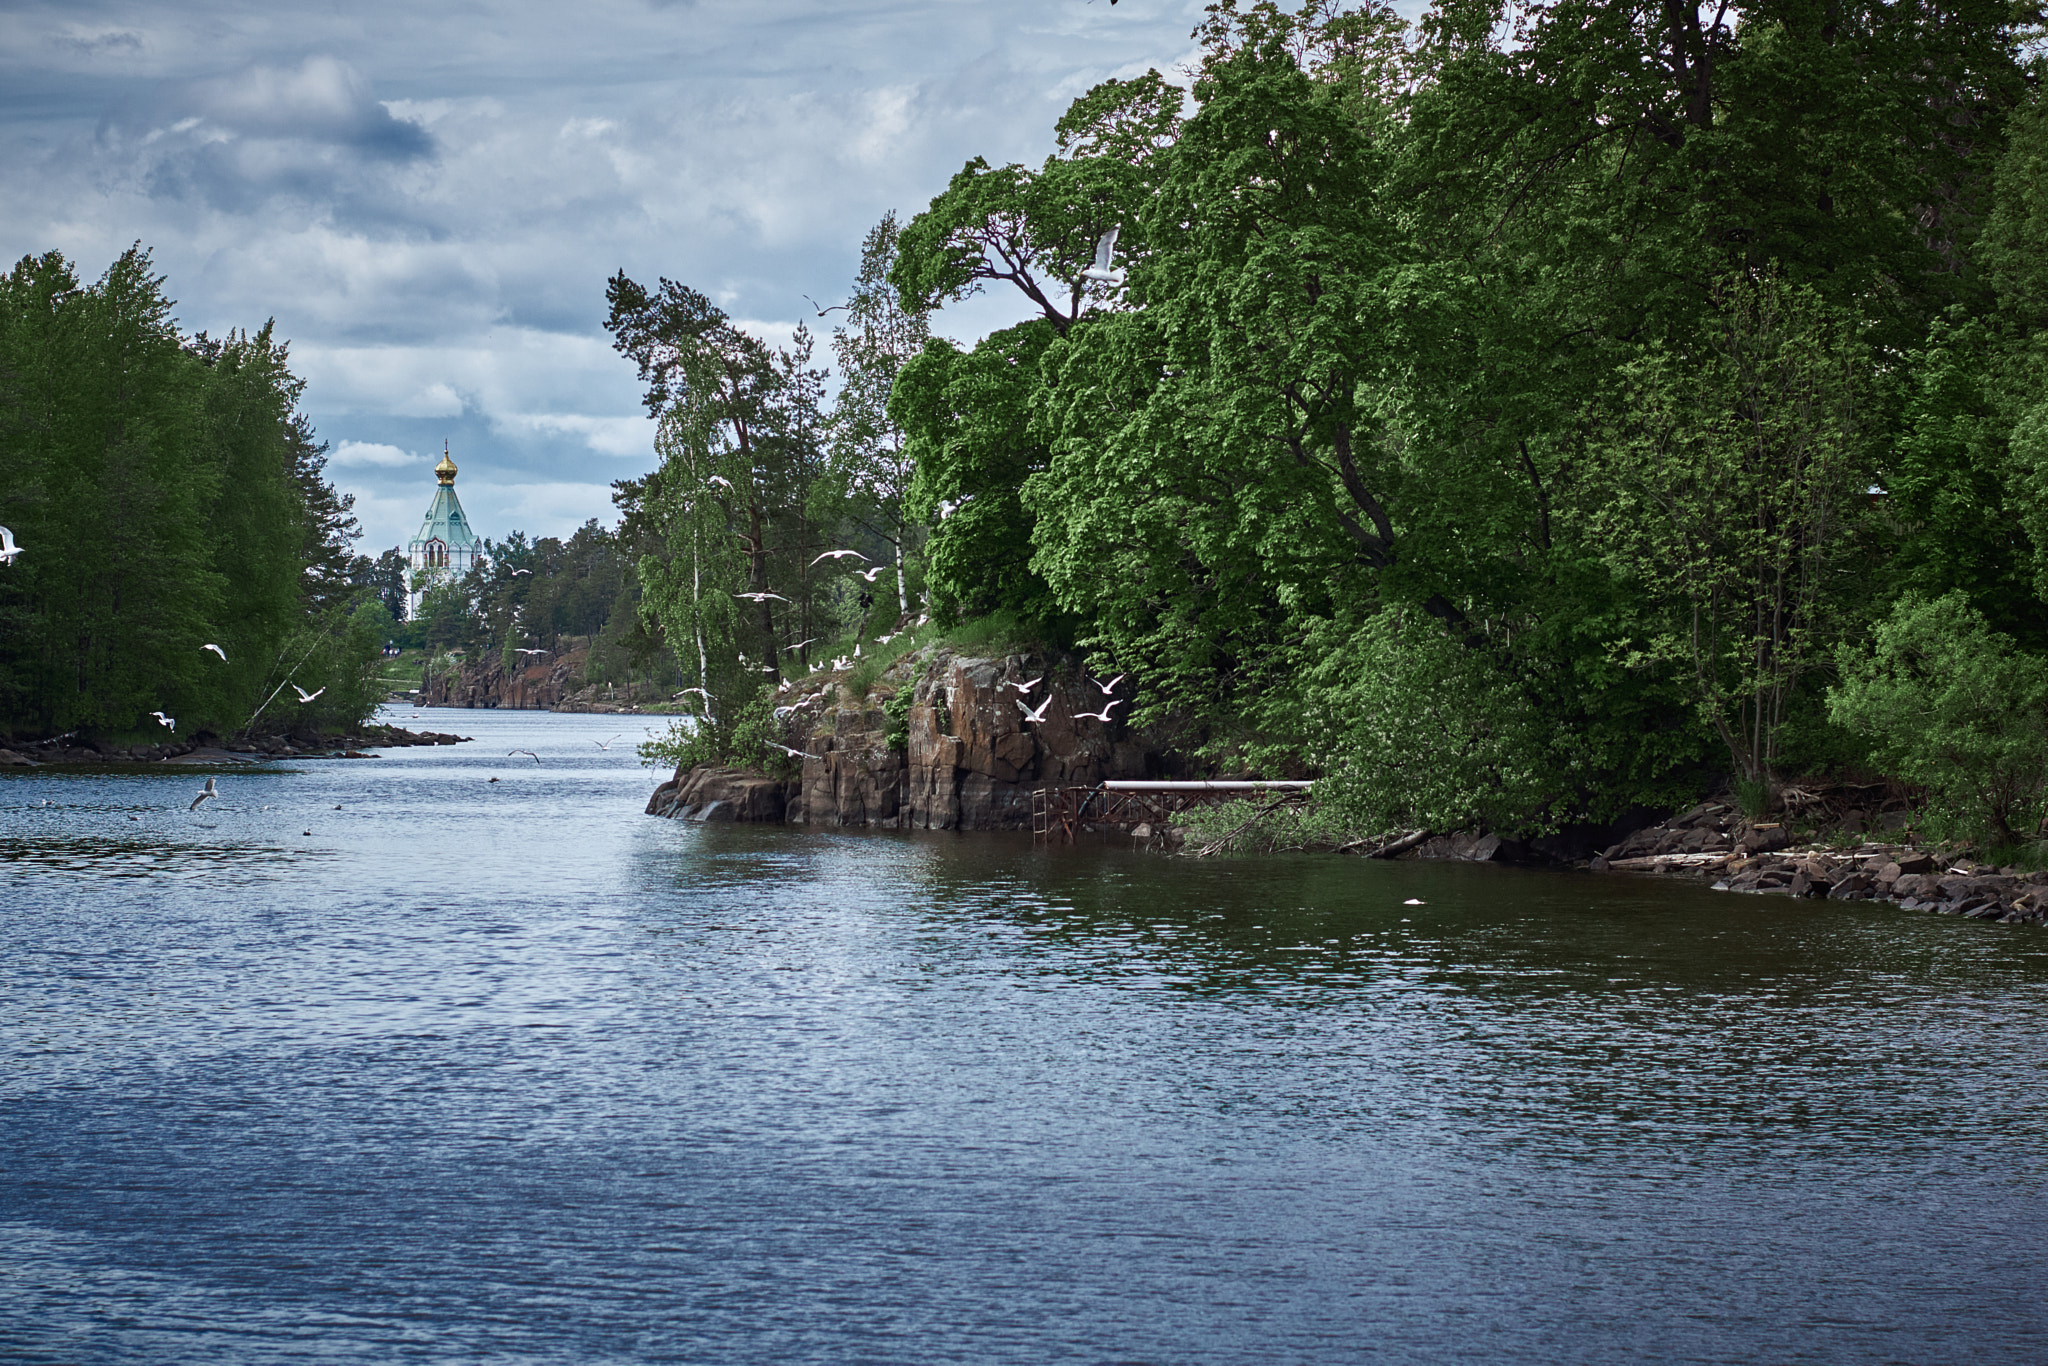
x: 1285, y: 828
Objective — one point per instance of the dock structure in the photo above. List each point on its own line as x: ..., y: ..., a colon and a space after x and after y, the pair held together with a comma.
x: 1139, y: 806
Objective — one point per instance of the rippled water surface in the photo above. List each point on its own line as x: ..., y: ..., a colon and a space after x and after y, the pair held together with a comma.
x: 380, y: 1060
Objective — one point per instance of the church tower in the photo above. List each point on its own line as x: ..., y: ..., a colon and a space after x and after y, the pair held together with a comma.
x: 446, y: 548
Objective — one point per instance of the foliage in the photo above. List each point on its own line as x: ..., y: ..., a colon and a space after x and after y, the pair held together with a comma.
x: 167, y: 495
x: 1956, y: 707
x: 1257, y: 826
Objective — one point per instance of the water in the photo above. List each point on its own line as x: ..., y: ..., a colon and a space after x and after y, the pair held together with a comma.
x: 472, y: 1071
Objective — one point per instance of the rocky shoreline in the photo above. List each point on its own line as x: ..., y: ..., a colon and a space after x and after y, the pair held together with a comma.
x: 1712, y: 843
x: 209, y: 748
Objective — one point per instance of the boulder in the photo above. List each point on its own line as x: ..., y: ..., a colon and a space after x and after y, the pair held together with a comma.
x: 707, y: 793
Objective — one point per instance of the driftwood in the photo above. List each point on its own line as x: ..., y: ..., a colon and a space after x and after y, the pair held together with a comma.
x: 1392, y: 846
x: 1216, y: 845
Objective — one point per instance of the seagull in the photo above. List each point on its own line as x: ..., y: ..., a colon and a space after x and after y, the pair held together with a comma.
x: 1024, y: 687
x: 1109, y: 688
x: 519, y: 651
x: 869, y: 574
x: 605, y: 744
x: 838, y: 555
x: 1035, y: 716
x: 687, y: 691
x: 527, y: 752
x: 720, y: 480
x: 761, y: 597
x: 1105, y: 248
x: 1102, y: 716
x: 217, y: 650
x: 800, y: 645
x: 8, y: 549
x: 167, y: 722
x: 208, y: 791
x: 792, y: 753
x: 823, y: 311
x: 1411, y: 901
x: 522, y: 571
x: 305, y: 696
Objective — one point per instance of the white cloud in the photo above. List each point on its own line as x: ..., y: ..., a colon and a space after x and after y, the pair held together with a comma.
x: 620, y: 436
x: 349, y: 453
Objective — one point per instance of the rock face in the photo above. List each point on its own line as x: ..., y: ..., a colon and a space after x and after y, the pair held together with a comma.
x: 970, y: 759
x: 719, y: 794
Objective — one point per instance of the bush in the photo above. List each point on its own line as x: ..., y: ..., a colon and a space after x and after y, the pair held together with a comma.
x: 1413, y: 729
x: 1951, y: 705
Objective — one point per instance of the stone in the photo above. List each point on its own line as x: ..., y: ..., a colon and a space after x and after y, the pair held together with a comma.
x: 1855, y: 887
x: 708, y: 793
x: 1916, y: 862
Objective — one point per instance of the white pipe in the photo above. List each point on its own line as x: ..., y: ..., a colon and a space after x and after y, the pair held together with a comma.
x: 1208, y: 785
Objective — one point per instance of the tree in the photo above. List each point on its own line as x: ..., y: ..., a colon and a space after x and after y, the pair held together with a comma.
x: 1729, y: 475
x: 870, y: 460
x: 1950, y: 704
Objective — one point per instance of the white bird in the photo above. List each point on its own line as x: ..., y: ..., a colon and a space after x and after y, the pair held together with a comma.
x: 1108, y: 688
x: 869, y: 574
x: 839, y: 554
x: 1102, y: 716
x: 720, y: 480
x: 521, y: 571
x: 1035, y: 716
x: 8, y: 549
x: 1105, y: 248
x: 800, y: 645
x: 842, y: 662
x: 527, y: 752
x: 517, y: 650
x: 687, y: 691
x: 217, y: 650
x: 167, y: 722
x: 305, y: 696
x: 1411, y: 901
x: 1024, y: 687
x: 761, y: 597
x: 605, y: 744
x: 792, y: 753
x: 208, y: 791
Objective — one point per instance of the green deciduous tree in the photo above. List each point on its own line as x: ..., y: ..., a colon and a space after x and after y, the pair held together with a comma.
x: 1948, y: 703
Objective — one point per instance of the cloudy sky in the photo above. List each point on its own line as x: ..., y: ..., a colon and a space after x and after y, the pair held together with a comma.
x: 429, y: 198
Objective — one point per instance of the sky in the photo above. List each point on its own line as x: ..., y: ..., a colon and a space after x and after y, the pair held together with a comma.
x: 428, y: 199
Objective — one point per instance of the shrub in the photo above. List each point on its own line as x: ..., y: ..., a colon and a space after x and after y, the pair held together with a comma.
x: 1955, y: 707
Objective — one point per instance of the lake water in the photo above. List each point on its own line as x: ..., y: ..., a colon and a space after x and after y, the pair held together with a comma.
x: 381, y: 1061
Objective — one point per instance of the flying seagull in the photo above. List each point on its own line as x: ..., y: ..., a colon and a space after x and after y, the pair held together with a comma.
x: 838, y: 307
x: 1105, y: 248
x: 519, y: 651
x: 522, y: 571
x: 837, y: 555
x: 869, y: 574
x: 1102, y: 716
x: 305, y: 696
x: 527, y: 752
x: 217, y: 650
x: 761, y: 597
x: 792, y: 753
x: 1035, y: 716
x: 8, y: 549
x: 208, y: 791
x: 800, y: 645
x: 1109, y: 688
x: 720, y: 480
x: 167, y: 722
x: 1024, y: 687
x: 1411, y: 901
x: 687, y: 691
x: 606, y: 744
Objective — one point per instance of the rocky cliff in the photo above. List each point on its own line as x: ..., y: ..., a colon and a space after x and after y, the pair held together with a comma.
x: 968, y: 758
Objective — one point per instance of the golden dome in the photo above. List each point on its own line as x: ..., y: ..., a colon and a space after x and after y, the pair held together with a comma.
x: 445, y: 471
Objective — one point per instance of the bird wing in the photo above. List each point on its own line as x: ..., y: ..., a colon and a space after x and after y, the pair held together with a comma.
x: 1105, y: 247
